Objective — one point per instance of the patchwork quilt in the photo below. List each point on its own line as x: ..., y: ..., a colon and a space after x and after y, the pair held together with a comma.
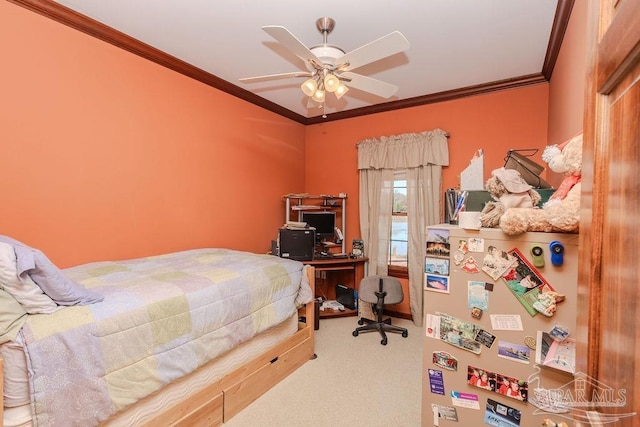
x: 162, y: 317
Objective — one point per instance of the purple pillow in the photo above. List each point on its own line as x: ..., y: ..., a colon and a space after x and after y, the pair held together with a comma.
x: 50, y: 278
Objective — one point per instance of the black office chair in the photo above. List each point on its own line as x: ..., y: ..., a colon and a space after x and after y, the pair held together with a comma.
x: 379, y: 291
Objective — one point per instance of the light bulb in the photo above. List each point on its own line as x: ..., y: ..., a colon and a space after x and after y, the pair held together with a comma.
x: 331, y: 82
x: 318, y: 96
x: 309, y: 87
x: 341, y: 90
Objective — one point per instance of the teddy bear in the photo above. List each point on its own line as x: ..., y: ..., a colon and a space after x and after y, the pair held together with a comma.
x: 561, y: 214
x: 509, y: 190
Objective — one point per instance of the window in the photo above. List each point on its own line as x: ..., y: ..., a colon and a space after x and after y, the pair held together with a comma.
x: 398, y: 260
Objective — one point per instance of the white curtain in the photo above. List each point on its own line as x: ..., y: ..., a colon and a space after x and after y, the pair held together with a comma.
x: 421, y: 156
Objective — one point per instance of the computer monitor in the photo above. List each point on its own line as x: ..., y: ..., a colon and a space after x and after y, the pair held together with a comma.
x: 323, y: 221
x: 296, y: 244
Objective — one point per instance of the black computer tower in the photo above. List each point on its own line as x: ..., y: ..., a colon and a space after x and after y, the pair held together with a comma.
x: 297, y: 244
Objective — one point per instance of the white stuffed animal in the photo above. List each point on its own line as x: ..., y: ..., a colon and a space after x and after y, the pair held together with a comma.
x: 562, y: 212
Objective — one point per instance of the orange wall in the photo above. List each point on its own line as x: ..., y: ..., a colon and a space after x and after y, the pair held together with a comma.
x: 110, y: 156
x: 566, y: 92
x: 495, y: 122
x: 114, y: 156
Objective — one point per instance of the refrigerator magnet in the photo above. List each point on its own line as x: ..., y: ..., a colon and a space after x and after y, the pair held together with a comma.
x: 530, y: 342
x: 444, y: 360
x: 476, y: 245
x: 448, y: 413
x: 436, y: 381
x: 538, y: 255
x: 485, y: 338
x: 458, y: 257
x: 471, y: 265
x: 557, y: 253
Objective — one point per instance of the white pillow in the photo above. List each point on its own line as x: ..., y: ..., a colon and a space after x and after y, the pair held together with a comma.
x: 53, y: 282
x: 25, y: 291
x: 12, y: 317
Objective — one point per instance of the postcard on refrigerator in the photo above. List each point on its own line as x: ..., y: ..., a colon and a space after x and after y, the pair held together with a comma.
x: 459, y: 333
x: 477, y: 295
x: 512, y: 351
x: 436, y: 266
x: 435, y: 283
x: 496, y: 262
x: 556, y: 354
x: 498, y: 383
x: 438, y: 235
x: 438, y: 249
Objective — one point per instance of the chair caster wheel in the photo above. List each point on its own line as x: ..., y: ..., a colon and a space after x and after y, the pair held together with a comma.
x: 405, y: 334
x: 384, y: 341
x: 360, y: 322
x: 355, y: 333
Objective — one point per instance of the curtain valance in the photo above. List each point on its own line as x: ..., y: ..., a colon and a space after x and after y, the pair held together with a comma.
x: 409, y: 150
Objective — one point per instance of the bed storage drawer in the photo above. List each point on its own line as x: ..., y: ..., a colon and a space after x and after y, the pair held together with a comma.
x: 203, y: 412
x: 245, y: 391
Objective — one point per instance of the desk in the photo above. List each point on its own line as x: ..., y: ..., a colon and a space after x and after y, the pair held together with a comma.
x: 333, y: 271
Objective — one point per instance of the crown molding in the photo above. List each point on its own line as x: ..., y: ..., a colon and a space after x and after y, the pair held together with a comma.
x: 70, y: 18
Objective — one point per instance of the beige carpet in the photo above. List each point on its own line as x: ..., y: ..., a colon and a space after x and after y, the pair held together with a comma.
x: 355, y: 381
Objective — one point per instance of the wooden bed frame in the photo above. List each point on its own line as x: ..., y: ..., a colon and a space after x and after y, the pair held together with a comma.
x: 219, y: 401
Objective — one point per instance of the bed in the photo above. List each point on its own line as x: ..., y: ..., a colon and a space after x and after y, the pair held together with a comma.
x: 186, y: 338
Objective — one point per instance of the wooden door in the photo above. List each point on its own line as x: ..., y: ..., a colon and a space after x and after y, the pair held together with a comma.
x: 609, y: 277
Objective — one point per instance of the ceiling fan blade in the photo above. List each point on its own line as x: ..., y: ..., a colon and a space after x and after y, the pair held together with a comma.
x: 385, y: 46
x: 370, y: 85
x: 291, y: 42
x: 275, y: 77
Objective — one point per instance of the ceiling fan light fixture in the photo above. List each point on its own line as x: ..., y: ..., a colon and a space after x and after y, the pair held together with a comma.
x: 309, y: 87
x: 328, y: 66
x: 318, y: 96
x: 341, y: 90
x: 331, y: 82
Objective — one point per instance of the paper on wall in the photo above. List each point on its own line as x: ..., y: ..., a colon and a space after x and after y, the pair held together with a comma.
x: 472, y: 177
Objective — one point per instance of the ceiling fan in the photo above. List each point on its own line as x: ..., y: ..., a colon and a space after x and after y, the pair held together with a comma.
x: 329, y: 67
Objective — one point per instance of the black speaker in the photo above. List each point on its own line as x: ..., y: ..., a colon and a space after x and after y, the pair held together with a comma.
x: 297, y: 244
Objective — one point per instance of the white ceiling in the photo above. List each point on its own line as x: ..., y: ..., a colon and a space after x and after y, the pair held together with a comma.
x: 453, y: 43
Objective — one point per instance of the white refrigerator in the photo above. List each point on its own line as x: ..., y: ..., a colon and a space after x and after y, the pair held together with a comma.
x: 500, y: 312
